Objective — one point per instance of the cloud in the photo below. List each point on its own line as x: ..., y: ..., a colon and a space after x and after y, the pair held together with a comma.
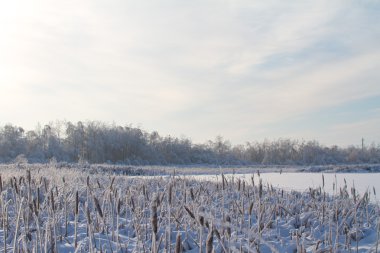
x: 198, y: 68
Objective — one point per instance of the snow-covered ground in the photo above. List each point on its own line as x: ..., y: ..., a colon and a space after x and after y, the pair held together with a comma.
x: 89, y: 210
x: 302, y: 181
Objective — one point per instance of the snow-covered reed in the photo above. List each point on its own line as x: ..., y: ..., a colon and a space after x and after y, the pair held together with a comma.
x: 48, y: 209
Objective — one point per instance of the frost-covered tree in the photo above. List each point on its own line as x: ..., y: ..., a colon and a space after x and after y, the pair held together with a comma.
x: 12, y: 142
x: 98, y: 142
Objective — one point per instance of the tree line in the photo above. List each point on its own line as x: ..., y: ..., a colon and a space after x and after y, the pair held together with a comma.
x: 98, y: 142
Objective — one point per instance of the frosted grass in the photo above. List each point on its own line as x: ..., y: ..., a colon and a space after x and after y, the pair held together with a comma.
x: 47, y: 209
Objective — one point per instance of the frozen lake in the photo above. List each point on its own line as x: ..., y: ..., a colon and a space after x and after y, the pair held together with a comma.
x: 302, y: 181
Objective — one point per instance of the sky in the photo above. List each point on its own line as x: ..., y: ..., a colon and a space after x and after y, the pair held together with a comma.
x: 243, y: 69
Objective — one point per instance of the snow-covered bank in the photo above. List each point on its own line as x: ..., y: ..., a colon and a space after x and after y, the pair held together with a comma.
x: 197, y: 169
x: 208, y: 169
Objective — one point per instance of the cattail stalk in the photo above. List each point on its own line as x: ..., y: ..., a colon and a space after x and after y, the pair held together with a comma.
x: 154, y: 222
x: 29, y: 179
x: 118, y: 211
x: 5, y: 225
x: 189, y: 212
x: 250, y: 214
x: 39, y: 238
x: 89, y: 224
x: 65, y: 207
x: 209, y: 240
x: 100, y: 212
x: 17, y: 225
x: 47, y: 229
x: 200, y: 239
x: 378, y: 234
x: 76, y: 212
x: 178, y: 246
x: 169, y: 214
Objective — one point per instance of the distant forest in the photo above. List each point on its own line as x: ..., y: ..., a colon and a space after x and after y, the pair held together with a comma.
x: 98, y: 142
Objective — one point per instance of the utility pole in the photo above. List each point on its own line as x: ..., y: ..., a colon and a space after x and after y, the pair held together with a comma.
x: 362, y: 144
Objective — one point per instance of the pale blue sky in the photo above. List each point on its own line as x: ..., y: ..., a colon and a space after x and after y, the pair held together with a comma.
x: 246, y: 70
